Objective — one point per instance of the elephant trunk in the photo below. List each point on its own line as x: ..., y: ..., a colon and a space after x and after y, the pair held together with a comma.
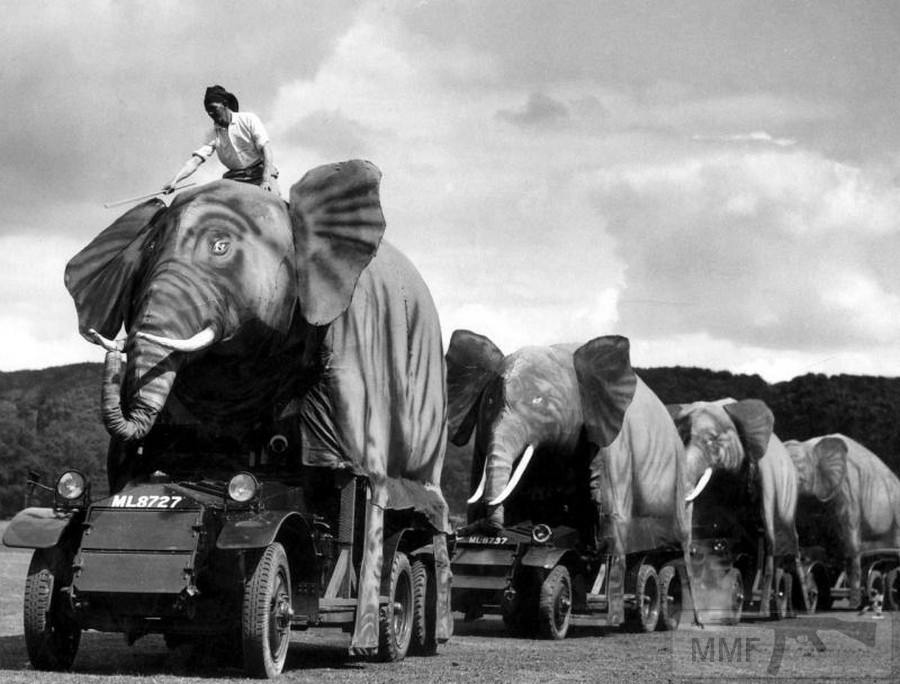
x: 500, y: 479
x: 148, y: 391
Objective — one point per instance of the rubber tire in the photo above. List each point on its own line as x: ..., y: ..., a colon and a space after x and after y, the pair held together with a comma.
x: 555, y: 604
x: 671, y: 599
x: 51, y: 637
x: 734, y: 583
x: 396, y: 622
x: 265, y: 646
x: 892, y: 590
x: 424, y: 639
x: 873, y: 579
x: 645, y: 615
x: 781, y: 596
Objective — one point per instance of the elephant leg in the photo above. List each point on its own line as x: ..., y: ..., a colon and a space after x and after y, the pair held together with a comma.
x: 443, y: 576
x: 691, y: 584
x: 799, y: 572
x: 767, y: 581
x: 854, y: 580
x: 365, y: 630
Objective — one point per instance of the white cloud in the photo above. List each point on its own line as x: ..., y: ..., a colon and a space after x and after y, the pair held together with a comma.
x: 781, y: 250
x: 754, y: 137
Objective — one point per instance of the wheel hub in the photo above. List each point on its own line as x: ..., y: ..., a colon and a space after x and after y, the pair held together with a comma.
x: 283, y: 614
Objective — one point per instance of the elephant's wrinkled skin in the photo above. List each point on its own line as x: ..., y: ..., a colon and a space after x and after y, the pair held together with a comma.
x: 578, y: 415
x: 858, y: 488
x: 737, y: 437
x: 306, y: 305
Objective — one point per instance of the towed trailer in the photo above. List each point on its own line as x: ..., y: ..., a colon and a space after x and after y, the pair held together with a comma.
x: 211, y: 557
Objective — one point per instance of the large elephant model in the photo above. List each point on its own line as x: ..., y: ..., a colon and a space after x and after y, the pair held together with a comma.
x: 561, y: 410
x: 737, y: 438
x: 234, y: 302
x: 862, y: 493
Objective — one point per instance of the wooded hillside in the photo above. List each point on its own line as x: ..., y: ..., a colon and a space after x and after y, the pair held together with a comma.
x: 50, y: 419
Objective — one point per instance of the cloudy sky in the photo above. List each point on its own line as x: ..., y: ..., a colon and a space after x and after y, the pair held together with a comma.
x: 718, y: 180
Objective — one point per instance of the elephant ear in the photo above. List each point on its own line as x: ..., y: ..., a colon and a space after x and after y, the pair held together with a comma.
x: 101, y: 276
x: 755, y: 423
x: 607, y: 384
x: 830, y: 459
x: 681, y: 417
x: 338, y: 224
x: 472, y: 362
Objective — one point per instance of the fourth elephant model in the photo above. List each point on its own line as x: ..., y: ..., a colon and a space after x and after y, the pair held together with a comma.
x: 592, y: 501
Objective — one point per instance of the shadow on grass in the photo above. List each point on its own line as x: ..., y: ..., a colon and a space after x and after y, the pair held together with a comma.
x: 492, y: 626
x: 108, y: 654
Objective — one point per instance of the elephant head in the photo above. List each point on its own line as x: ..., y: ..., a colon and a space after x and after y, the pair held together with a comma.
x: 724, y: 435
x: 524, y: 407
x: 226, y: 287
x: 821, y: 465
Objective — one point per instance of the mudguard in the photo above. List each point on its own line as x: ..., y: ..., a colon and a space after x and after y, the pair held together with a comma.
x: 257, y: 531
x: 37, y: 528
x: 545, y: 557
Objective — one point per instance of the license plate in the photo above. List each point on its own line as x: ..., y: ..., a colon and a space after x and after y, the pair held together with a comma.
x: 130, y: 501
x: 492, y: 541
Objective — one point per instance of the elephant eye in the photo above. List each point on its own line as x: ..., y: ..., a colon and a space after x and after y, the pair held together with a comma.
x: 537, y: 401
x: 220, y: 246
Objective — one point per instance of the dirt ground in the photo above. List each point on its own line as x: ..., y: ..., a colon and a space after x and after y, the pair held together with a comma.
x: 853, y: 647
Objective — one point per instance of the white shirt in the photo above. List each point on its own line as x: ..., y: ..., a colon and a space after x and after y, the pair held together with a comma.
x: 239, y: 145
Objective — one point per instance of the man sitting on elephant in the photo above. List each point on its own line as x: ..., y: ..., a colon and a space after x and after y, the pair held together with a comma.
x: 239, y: 139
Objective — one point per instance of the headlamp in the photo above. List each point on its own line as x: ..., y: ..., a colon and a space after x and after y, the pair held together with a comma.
x: 541, y: 533
x: 243, y: 487
x: 71, y: 485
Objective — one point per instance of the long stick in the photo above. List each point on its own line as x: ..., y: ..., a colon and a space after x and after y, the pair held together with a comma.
x: 110, y: 205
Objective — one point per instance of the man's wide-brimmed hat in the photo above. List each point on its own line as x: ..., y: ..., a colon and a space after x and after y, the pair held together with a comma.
x: 217, y: 93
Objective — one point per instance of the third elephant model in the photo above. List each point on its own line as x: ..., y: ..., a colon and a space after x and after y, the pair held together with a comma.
x: 278, y: 429
x: 745, y: 518
x: 579, y: 505
x: 849, y: 515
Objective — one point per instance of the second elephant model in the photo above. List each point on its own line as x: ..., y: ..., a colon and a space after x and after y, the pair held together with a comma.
x: 578, y: 420
x: 736, y: 439
x: 862, y: 496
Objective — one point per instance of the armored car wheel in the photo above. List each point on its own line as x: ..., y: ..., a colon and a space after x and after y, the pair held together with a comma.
x: 266, y: 615
x: 555, y: 604
x: 645, y: 614
x: 395, y: 629
x: 51, y: 633
x: 424, y: 641
x: 671, y: 601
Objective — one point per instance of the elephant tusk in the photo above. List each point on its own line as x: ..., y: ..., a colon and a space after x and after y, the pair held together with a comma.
x: 701, y: 484
x: 514, y: 480
x: 480, y: 491
x: 201, y: 340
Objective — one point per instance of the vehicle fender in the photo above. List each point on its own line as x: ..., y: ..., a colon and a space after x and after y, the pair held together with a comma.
x: 257, y: 531
x: 37, y: 528
x: 546, y: 557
